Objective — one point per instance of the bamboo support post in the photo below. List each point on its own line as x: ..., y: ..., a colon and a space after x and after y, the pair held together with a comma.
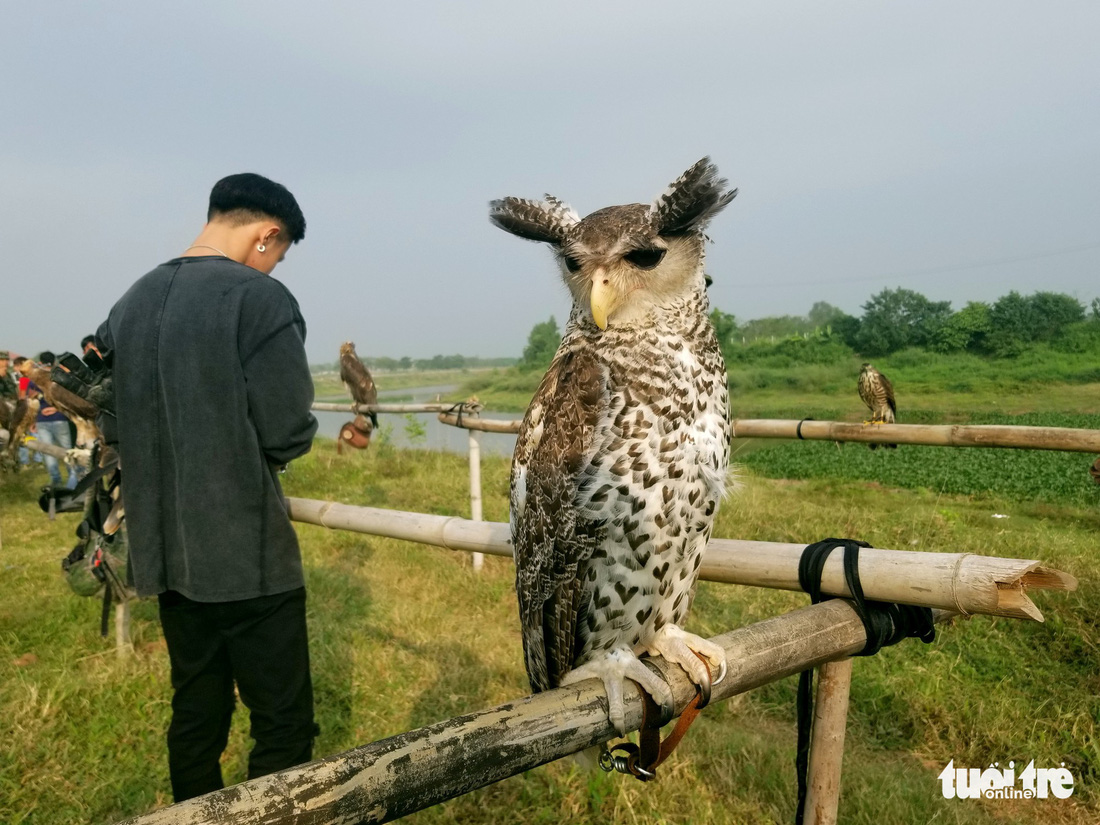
x: 435, y: 406
x: 488, y: 425
x: 934, y: 435
x: 962, y: 582
x: 394, y: 777
x: 123, y: 644
x: 475, y: 490
x: 827, y: 743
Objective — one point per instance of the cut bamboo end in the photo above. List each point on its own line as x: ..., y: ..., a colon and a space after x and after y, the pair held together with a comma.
x: 1011, y: 592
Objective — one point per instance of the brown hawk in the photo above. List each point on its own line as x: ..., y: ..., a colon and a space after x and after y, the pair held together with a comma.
x: 357, y: 379
x: 621, y: 459
x: 878, y: 394
x: 22, y: 419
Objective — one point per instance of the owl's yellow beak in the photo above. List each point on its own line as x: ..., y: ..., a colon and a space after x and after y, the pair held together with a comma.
x: 605, y: 298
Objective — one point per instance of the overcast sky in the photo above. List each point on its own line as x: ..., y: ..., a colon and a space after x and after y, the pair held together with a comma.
x: 948, y: 147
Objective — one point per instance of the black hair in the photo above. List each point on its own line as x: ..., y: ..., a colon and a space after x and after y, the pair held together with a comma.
x: 20, y: 360
x: 87, y: 339
x: 46, y: 357
x: 248, y: 197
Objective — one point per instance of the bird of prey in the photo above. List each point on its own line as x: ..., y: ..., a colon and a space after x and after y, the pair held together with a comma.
x: 621, y: 460
x: 878, y: 394
x: 22, y: 419
x: 357, y: 379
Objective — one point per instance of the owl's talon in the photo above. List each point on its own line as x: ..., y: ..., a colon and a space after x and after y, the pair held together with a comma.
x: 613, y: 669
x: 703, y: 689
x: 721, y: 673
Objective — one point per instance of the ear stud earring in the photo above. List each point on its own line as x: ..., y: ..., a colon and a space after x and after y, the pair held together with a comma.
x: 261, y: 248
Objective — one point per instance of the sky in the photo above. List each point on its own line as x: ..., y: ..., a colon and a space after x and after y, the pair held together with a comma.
x: 950, y: 148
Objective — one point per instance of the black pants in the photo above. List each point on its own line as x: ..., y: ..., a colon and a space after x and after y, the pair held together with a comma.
x: 260, y: 644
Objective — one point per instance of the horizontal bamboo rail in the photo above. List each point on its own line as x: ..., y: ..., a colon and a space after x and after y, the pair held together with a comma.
x: 394, y: 777
x: 962, y: 582
x: 487, y: 425
x: 933, y: 435
x: 434, y: 406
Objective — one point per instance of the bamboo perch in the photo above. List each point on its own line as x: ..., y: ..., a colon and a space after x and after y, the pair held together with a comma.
x: 319, y: 406
x: 488, y: 425
x: 933, y: 435
x: 962, y: 582
x: 394, y: 777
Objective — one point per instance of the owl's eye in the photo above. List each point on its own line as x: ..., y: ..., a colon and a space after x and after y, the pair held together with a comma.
x: 571, y: 263
x: 645, y: 258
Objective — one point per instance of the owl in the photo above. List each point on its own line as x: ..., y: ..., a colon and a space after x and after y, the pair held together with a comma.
x: 621, y: 461
x: 877, y: 393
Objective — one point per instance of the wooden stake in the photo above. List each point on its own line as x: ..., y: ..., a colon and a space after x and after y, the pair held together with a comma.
x: 475, y: 489
x: 827, y: 743
x: 963, y: 582
x: 934, y: 435
x: 123, y: 645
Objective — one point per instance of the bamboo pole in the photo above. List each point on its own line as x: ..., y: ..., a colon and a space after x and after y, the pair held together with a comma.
x: 827, y: 743
x: 488, y: 425
x: 394, y: 777
x: 475, y: 489
x: 963, y: 582
x: 935, y: 435
x: 321, y: 406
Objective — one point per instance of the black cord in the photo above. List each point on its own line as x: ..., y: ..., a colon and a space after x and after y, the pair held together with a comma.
x: 885, y: 623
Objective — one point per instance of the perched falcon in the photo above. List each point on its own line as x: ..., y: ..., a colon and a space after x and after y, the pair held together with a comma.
x: 878, y: 394
x: 621, y: 460
x: 357, y: 379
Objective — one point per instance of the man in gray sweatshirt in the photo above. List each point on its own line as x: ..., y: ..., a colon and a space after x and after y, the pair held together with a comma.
x: 212, y: 399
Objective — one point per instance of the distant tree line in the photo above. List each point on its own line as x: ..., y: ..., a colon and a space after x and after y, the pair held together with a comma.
x: 383, y: 363
x: 897, y: 319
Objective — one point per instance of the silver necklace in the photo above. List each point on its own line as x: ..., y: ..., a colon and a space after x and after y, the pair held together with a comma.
x: 205, y: 246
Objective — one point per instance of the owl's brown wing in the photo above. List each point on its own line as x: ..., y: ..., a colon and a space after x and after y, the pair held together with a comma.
x: 552, y: 543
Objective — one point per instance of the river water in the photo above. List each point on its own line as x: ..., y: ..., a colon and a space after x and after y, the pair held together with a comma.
x: 436, y: 436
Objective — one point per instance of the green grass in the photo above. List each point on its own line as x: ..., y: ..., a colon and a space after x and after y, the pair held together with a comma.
x: 404, y: 635
x: 1022, y: 475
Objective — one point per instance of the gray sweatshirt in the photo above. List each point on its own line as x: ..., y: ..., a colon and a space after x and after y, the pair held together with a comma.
x: 212, y: 393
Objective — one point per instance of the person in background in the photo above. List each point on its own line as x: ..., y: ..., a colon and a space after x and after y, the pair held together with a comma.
x: 212, y: 395
x: 22, y: 366
x: 9, y: 390
x: 87, y: 343
x: 51, y: 426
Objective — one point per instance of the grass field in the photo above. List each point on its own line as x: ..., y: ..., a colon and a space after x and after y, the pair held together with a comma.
x: 404, y: 635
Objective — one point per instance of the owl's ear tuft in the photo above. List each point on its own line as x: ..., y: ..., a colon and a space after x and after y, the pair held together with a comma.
x: 691, y: 200
x: 547, y: 220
